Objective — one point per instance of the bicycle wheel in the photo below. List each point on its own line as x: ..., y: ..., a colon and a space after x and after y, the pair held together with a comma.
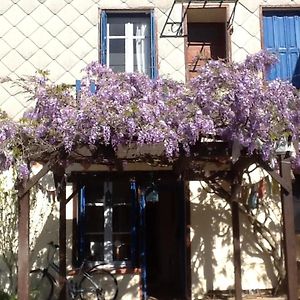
x: 41, y: 285
x: 98, y: 285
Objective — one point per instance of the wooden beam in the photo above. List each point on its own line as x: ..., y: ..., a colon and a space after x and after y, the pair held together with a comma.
x: 289, y: 230
x: 237, y: 175
x: 60, y: 182
x: 72, y: 196
x: 23, y: 230
x: 33, y: 181
x: 23, y: 245
x: 236, y: 241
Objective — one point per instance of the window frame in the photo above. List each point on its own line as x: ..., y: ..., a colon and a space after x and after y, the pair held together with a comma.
x: 210, y: 15
x: 108, y: 210
x: 104, y: 45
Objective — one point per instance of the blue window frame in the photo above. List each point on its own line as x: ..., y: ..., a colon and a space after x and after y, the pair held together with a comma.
x: 128, y: 42
x: 282, y: 36
x: 107, y: 220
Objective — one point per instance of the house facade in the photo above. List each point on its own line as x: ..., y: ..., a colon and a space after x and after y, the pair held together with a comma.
x: 178, y: 244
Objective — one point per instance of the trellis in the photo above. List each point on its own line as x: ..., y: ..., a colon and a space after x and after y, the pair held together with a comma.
x: 204, y: 152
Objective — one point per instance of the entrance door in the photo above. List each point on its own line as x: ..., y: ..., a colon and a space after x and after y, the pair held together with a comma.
x: 165, y: 246
x: 282, y: 36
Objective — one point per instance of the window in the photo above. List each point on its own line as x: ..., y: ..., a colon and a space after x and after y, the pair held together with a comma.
x: 282, y: 36
x: 128, y: 43
x: 105, y: 220
x: 135, y: 220
x: 206, y: 37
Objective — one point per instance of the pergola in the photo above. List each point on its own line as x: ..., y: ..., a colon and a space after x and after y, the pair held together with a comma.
x: 190, y: 168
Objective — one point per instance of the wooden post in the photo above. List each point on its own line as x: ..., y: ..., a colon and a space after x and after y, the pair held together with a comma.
x: 236, y: 241
x: 237, y: 172
x: 23, y: 230
x: 289, y: 230
x: 60, y: 182
x: 23, y: 244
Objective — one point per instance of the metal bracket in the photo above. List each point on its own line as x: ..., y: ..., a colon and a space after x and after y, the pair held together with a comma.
x: 174, y: 28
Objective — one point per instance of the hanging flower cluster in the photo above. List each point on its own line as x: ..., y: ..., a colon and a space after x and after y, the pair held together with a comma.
x: 232, y: 101
x: 244, y: 106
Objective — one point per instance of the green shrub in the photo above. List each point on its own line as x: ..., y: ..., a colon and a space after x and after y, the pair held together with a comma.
x: 5, y: 296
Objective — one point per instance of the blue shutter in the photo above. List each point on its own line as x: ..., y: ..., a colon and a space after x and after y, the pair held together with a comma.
x: 82, y: 200
x: 78, y: 86
x: 153, y: 46
x: 282, y: 36
x: 103, y: 38
x: 143, y: 258
x: 93, y: 87
x: 134, y: 215
x: 78, y: 89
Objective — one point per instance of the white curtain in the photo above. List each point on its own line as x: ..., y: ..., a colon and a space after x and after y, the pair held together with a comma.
x: 141, y: 49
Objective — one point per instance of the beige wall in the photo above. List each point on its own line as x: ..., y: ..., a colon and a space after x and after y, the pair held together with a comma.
x: 62, y: 36
x: 212, y: 244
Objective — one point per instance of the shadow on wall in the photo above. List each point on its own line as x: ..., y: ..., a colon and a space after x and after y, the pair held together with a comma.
x: 210, y: 234
x: 43, y: 228
x: 212, y: 250
x: 49, y: 233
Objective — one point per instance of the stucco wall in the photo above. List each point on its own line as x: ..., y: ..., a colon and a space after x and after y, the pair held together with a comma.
x: 212, y: 243
x: 62, y: 36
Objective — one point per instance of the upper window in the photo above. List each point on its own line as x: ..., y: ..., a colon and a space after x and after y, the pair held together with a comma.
x: 206, y: 37
x: 128, y: 43
x: 282, y: 36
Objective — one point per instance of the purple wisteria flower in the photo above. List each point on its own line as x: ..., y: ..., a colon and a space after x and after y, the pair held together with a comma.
x: 231, y: 101
x: 23, y: 171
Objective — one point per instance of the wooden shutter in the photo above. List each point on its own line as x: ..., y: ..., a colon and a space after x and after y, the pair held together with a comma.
x: 81, y: 227
x: 153, y: 46
x: 103, y: 38
x: 282, y: 36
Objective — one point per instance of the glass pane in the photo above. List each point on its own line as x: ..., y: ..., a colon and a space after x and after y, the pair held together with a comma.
x: 117, y: 23
x: 94, y: 220
x: 121, y: 192
x: 116, y: 27
x: 94, y: 247
x: 94, y: 193
x: 121, y: 247
x: 117, y: 55
x: 121, y: 218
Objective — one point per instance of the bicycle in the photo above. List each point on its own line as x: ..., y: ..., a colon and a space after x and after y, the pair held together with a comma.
x: 92, y: 284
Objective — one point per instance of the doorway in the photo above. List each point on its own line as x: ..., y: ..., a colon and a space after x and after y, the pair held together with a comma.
x: 165, y: 242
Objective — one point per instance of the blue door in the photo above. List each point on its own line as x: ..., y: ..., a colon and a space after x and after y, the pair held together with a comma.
x: 281, y: 30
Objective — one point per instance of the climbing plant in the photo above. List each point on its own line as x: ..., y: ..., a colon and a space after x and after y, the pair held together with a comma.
x: 228, y: 101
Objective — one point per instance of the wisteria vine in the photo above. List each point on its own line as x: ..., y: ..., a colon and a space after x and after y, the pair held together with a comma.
x: 231, y: 101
